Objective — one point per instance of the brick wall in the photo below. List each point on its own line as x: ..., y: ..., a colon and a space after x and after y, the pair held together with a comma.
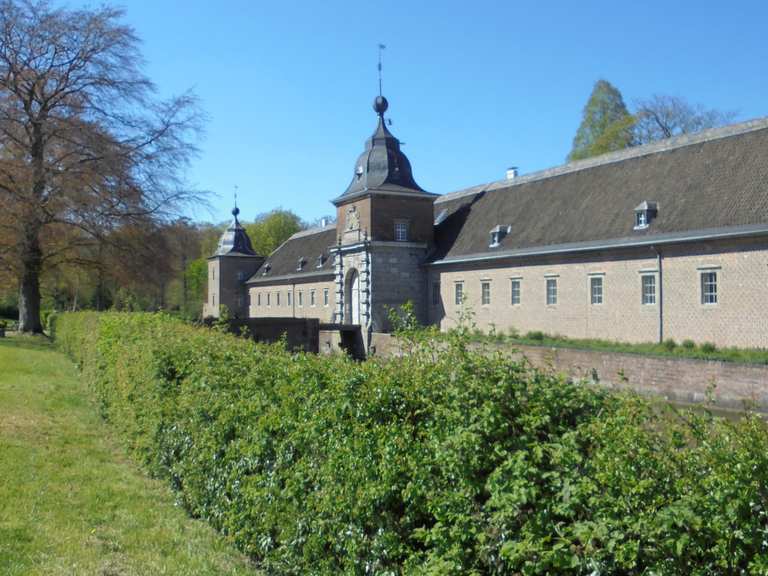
x: 740, y: 318
x: 320, y: 311
x: 677, y: 379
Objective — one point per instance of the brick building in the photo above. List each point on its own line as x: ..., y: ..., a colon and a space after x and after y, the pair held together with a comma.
x: 667, y: 240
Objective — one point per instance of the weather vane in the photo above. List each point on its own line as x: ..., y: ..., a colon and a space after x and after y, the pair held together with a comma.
x: 236, y: 187
x: 382, y: 47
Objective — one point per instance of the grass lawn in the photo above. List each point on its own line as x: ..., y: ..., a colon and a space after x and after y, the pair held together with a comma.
x: 70, y: 500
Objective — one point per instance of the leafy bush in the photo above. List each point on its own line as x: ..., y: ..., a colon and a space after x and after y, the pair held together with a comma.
x: 670, y: 344
x: 446, y: 461
x: 708, y: 347
x: 535, y: 335
x: 688, y: 344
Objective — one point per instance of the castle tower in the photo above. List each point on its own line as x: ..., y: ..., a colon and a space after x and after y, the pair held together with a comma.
x: 229, y: 268
x: 385, y: 230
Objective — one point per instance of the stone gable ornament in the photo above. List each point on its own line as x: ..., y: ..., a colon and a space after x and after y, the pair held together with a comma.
x: 353, y: 218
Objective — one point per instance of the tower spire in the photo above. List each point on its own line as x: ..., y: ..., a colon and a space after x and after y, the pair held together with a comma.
x: 382, y: 47
x: 236, y: 210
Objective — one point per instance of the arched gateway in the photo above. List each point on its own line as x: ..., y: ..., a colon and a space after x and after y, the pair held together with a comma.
x: 352, y: 298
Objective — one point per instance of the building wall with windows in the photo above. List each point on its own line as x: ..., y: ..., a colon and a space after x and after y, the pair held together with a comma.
x: 618, y: 295
x: 293, y: 300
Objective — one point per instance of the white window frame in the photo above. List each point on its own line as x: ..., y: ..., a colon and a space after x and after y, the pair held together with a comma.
x: 515, y: 289
x: 289, y: 297
x: 485, y: 292
x: 596, y: 297
x: 269, y: 304
x: 708, y: 287
x: 401, y: 230
x: 277, y: 298
x: 258, y: 299
x: 458, y: 293
x: 312, y: 298
x: 301, y: 299
x: 325, y: 297
x: 648, y: 298
x: 641, y: 220
x: 551, y: 291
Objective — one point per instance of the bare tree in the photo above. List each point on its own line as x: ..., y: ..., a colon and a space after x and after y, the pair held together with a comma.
x: 662, y: 116
x: 86, y: 147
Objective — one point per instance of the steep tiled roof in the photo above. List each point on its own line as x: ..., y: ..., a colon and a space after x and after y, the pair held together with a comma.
x: 309, y: 245
x: 717, y: 179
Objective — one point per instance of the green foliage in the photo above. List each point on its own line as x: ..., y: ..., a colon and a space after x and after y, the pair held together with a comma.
x: 708, y: 348
x: 449, y: 460
x: 270, y: 230
x: 670, y: 344
x: 687, y: 349
x: 536, y: 335
x: 606, y: 124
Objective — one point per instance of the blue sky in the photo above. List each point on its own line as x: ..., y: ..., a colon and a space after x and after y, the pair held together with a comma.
x: 474, y: 86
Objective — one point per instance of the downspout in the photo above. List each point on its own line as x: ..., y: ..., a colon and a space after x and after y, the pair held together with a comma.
x: 659, y: 263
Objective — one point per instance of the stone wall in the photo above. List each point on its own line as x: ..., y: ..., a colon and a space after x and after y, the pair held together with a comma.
x: 397, y: 276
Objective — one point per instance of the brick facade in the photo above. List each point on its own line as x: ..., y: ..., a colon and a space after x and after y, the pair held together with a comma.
x: 739, y: 318
x: 299, y: 307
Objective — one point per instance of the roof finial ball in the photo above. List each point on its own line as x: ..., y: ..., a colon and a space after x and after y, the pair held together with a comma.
x: 380, y: 104
x: 235, y: 211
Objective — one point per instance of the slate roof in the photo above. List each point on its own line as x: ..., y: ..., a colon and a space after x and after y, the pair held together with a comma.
x: 235, y: 241
x: 282, y: 264
x: 714, y: 180
x: 382, y: 166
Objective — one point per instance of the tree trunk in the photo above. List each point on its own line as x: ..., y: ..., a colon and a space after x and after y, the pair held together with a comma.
x: 31, y: 252
x: 29, y: 282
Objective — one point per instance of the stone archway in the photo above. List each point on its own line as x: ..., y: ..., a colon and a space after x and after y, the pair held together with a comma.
x: 352, y: 297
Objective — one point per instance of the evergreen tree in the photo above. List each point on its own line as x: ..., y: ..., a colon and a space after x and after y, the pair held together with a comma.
x: 606, y: 125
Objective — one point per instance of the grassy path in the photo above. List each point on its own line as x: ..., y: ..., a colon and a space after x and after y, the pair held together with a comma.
x: 70, y: 501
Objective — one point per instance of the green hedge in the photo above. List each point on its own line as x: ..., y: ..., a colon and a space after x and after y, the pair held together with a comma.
x: 447, y: 461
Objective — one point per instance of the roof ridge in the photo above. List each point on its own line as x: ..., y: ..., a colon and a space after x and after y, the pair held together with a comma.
x: 311, y: 231
x: 665, y: 145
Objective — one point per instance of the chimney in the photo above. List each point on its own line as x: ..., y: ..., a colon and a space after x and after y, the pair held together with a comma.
x: 512, y: 173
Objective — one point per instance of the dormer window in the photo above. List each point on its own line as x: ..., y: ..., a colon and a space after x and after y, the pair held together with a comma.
x: 497, y: 235
x: 267, y: 268
x: 644, y: 213
x: 320, y: 261
x: 300, y: 265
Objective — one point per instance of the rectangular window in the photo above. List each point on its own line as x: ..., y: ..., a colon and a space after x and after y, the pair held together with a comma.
x: 709, y: 287
x: 401, y: 231
x: 258, y: 299
x: 596, y: 289
x: 289, y: 297
x: 277, y: 299
x: 268, y: 303
x: 301, y: 298
x: 311, y: 297
x: 515, y: 287
x: 649, y: 289
x: 459, y: 293
x: 641, y: 219
x: 551, y: 291
x: 436, y: 294
x: 485, y: 293
x: 325, y: 296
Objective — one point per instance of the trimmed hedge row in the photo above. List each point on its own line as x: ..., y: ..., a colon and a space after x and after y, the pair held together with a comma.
x: 447, y: 461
